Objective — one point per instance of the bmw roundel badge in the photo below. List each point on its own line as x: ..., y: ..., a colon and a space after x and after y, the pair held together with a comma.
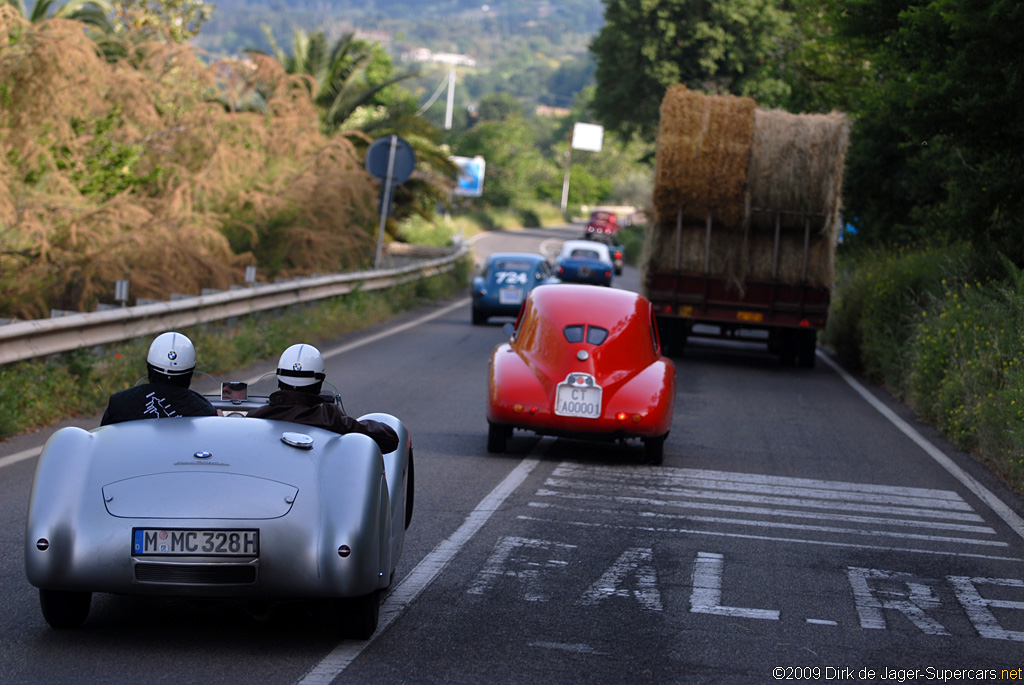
x: 203, y: 454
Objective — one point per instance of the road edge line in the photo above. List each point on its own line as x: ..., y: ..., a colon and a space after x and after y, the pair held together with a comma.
x: 1009, y: 516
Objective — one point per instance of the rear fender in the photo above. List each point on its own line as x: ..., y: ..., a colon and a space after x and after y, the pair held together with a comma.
x: 396, y: 472
x: 651, y: 392
x: 355, y: 514
x: 55, y: 506
x: 512, y: 381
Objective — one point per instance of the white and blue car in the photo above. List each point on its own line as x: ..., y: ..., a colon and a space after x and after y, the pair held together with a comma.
x: 585, y: 261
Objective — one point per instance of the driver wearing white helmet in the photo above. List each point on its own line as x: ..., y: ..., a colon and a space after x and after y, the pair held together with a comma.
x: 170, y: 363
x: 300, y: 377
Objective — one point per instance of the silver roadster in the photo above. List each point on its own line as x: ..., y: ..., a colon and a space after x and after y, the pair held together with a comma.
x: 221, y: 507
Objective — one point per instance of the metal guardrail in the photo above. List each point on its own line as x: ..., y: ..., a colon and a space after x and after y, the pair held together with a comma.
x: 38, y: 338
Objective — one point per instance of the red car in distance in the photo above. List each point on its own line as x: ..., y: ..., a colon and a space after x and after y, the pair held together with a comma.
x: 602, y: 222
x: 583, y: 362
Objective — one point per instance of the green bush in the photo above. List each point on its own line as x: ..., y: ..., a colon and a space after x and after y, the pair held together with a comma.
x: 878, y: 299
x: 952, y: 346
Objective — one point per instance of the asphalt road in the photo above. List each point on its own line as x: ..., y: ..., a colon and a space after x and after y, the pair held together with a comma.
x: 802, y: 527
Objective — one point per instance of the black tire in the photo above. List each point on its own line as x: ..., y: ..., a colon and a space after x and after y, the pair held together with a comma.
x: 479, y: 318
x: 497, y: 437
x: 64, y: 609
x: 786, y: 344
x: 410, y: 491
x: 359, y: 615
x: 654, y: 450
x: 807, y: 342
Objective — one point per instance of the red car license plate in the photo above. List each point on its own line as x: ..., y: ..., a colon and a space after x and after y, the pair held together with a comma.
x: 180, y: 542
x: 578, y: 396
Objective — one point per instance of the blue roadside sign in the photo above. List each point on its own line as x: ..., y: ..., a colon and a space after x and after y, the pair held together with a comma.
x: 471, y: 175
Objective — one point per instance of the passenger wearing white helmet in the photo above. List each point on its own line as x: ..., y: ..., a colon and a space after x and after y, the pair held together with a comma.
x: 170, y: 363
x: 300, y: 378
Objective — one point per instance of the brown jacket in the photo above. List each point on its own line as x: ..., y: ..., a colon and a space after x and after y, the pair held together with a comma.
x: 312, y: 410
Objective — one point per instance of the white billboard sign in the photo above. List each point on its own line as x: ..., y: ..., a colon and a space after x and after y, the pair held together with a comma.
x: 587, y: 137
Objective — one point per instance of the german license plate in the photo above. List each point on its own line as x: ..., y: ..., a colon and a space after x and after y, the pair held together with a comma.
x: 182, y: 542
x: 578, y: 396
x: 510, y: 296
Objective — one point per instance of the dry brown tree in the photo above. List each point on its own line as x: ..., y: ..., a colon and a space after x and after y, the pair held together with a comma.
x: 144, y: 168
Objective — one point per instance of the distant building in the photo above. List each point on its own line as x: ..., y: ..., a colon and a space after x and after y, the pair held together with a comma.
x: 546, y: 111
x: 425, y: 55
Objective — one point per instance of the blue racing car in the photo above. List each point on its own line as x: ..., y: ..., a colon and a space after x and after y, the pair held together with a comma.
x: 505, y: 280
x: 585, y: 261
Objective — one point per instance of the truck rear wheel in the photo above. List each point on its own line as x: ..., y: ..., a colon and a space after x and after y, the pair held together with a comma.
x: 785, y: 345
x: 806, y: 344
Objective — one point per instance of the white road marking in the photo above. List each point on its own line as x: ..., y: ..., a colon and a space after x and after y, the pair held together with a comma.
x: 977, y: 607
x: 707, y: 591
x: 577, y: 648
x: 984, y: 494
x: 897, y: 592
x: 767, y: 538
x: 788, y: 513
x: 20, y: 456
x: 822, y: 622
x: 786, y: 526
x: 409, y: 588
x: 637, y: 563
x: 667, y: 498
x: 514, y: 557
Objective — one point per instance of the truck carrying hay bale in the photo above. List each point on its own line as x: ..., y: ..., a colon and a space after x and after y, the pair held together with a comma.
x: 746, y: 213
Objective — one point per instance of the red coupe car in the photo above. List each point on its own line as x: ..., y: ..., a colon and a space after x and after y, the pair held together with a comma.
x: 583, y: 362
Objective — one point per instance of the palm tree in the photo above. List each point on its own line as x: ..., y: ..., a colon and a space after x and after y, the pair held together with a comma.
x: 339, y: 73
x: 93, y: 12
x: 348, y: 92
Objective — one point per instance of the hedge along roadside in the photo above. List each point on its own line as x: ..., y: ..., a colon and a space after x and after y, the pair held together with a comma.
x: 923, y: 324
x: 43, y: 391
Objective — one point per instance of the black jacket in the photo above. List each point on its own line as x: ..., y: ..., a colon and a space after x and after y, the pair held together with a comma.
x: 155, y: 401
x: 313, y: 410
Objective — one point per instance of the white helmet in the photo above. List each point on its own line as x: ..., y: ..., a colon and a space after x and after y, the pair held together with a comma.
x: 301, y: 365
x: 172, y: 354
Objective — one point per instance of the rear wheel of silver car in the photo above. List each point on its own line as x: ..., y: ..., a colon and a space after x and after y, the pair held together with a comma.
x: 497, y: 436
x: 359, y: 615
x: 64, y: 609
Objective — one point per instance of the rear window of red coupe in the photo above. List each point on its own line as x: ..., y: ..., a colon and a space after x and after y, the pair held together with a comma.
x: 595, y: 335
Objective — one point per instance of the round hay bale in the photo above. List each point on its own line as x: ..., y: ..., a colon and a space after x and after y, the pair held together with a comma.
x: 796, y: 167
x: 702, y: 157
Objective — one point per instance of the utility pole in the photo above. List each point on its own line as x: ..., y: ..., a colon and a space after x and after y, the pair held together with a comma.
x: 451, y: 100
